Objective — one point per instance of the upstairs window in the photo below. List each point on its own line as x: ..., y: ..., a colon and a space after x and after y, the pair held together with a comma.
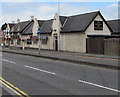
x: 98, y: 25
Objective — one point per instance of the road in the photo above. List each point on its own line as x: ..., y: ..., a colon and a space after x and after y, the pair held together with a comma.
x: 38, y: 76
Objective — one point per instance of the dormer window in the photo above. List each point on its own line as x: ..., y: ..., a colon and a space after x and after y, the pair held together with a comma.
x: 12, y: 29
x: 18, y: 28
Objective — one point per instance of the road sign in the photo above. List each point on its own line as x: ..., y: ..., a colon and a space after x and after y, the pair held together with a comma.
x: 38, y: 31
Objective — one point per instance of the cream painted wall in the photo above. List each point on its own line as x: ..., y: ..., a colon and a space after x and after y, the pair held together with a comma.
x: 35, y: 45
x: 90, y: 30
x: 8, y: 27
x: 46, y: 46
x: 74, y: 42
x: 35, y: 27
x: 55, y: 26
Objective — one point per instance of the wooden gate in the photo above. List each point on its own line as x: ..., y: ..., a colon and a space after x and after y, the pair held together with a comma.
x: 95, y: 45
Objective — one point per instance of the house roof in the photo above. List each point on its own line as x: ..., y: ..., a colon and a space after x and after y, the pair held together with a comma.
x: 28, y: 29
x: 79, y: 23
x: 19, y: 26
x: 40, y: 22
x: 4, y: 26
x: 62, y: 19
x: 11, y: 25
x: 47, y: 26
x: 114, y: 24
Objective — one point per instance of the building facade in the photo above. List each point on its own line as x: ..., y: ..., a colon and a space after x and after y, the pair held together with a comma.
x: 60, y: 33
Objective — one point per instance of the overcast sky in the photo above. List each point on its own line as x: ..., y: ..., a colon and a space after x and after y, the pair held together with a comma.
x: 23, y: 9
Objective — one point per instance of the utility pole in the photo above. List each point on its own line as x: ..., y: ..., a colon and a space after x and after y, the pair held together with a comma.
x: 58, y: 34
x: 39, y: 40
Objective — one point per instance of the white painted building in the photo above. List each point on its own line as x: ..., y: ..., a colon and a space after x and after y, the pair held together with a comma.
x: 74, y: 32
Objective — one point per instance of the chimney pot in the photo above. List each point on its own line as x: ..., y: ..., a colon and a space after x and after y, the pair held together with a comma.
x: 31, y: 18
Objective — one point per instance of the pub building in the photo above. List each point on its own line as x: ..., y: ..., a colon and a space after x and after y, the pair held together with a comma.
x: 78, y: 33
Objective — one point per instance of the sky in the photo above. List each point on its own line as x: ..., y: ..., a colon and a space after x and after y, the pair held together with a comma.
x: 11, y: 10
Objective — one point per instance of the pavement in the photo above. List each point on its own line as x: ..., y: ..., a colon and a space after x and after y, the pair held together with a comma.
x: 104, y: 61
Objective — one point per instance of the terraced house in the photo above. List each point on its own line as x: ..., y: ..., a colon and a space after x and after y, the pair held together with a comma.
x: 76, y: 33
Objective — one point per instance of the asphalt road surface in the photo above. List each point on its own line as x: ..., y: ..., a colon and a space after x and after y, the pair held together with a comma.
x: 37, y: 76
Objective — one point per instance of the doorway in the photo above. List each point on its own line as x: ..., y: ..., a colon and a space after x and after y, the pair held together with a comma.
x: 56, y: 42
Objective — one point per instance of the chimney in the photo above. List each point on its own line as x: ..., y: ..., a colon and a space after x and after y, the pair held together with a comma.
x: 31, y: 18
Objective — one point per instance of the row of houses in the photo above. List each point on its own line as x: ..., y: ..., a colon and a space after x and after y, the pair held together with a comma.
x: 83, y: 33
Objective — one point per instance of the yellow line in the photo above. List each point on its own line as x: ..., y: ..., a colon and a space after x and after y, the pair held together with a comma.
x: 13, y: 87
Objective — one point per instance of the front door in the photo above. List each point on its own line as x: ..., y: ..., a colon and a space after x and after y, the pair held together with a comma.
x: 56, y: 43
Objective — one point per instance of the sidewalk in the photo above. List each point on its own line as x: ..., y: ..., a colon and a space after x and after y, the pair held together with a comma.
x: 79, y: 58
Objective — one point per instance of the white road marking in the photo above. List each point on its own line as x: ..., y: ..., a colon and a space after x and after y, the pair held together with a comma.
x: 8, y: 61
x: 12, y: 62
x: 100, y: 86
x: 5, y: 60
x: 39, y: 69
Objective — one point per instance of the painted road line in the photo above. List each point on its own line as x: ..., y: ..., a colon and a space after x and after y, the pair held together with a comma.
x: 8, y: 61
x: 17, y: 93
x: 5, y: 60
x: 13, y: 88
x: 12, y: 62
x: 39, y: 69
x: 100, y: 86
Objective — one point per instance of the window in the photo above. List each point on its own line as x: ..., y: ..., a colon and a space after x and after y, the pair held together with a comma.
x: 29, y: 41
x: 98, y: 25
x: 18, y: 42
x: 11, y: 41
x: 44, y: 41
x: 15, y: 36
x: 35, y: 41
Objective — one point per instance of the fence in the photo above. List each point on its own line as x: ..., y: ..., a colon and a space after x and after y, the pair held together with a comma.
x: 95, y: 45
x: 103, y: 45
x: 112, y: 46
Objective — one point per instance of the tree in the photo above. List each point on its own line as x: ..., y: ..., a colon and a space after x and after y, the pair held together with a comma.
x: 4, y: 26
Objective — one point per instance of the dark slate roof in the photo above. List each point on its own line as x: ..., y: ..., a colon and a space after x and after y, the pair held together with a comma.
x: 62, y: 19
x: 79, y: 22
x: 47, y: 26
x: 40, y: 22
x: 22, y: 25
x: 115, y: 26
x: 28, y: 29
x: 11, y: 25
